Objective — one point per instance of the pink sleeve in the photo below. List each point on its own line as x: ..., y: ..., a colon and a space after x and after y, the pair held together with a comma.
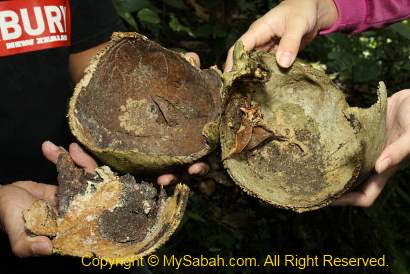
x: 359, y: 15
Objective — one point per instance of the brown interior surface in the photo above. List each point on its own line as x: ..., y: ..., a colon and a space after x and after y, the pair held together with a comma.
x: 139, y: 213
x: 287, y: 163
x: 112, y: 216
x: 143, y: 97
x: 282, y: 162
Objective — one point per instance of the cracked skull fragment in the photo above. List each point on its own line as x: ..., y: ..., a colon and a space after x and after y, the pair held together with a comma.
x: 290, y: 138
x: 141, y: 107
x: 106, y: 215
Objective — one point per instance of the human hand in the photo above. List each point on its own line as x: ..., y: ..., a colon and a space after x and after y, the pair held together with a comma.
x: 397, y: 148
x: 198, y: 168
x: 14, y: 198
x: 18, y: 196
x: 84, y: 160
x: 287, y: 28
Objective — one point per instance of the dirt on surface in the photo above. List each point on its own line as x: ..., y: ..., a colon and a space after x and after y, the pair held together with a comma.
x: 290, y: 138
x: 138, y: 96
x: 106, y: 215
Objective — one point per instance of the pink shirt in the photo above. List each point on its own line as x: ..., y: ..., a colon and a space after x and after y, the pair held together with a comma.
x: 359, y: 15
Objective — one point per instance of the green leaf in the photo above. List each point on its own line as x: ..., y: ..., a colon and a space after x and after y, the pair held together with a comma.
x: 124, y: 6
x: 366, y: 71
x: 149, y: 16
x: 204, y: 31
x: 176, y: 26
x: 179, y: 4
x: 130, y: 20
x: 402, y: 28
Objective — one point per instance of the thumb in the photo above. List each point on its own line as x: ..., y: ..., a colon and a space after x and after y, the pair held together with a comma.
x: 42, y: 246
x: 259, y: 34
x: 290, y: 42
x: 25, y: 246
x: 394, y: 153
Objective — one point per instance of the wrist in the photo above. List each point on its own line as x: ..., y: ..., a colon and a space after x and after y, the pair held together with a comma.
x: 327, y: 13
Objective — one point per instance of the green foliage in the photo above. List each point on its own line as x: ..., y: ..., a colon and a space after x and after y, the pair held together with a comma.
x: 230, y: 222
x: 364, y: 60
x: 206, y: 27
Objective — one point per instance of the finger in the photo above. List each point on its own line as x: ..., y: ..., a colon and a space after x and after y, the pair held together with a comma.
x: 259, y: 34
x: 394, y: 153
x: 81, y: 158
x: 166, y: 179
x: 21, y: 244
x: 368, y: 194
x: 40, y: 191
x: 290, y: 42
x: 51, y: 151
x: 198, y: 169
x: 193, y: 58
x: 25, y: 246
x: 42, y: 246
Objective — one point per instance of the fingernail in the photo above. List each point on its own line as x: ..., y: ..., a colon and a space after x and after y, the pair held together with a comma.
x: 193, y: 170
x: 41, y: 248
x: 384, y: 165
x: 77, y: 147
x: 52, y: 146
x: 285, y: 59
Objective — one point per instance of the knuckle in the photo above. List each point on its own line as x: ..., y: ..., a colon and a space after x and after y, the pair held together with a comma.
x: 255, y: 25
x: 367, y: 205
x: 366, y: 202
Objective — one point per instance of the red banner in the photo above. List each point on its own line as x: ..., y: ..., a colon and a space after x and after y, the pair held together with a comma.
x: 31, y: 25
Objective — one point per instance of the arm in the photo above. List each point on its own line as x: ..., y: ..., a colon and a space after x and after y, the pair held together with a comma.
x: 359, y: 15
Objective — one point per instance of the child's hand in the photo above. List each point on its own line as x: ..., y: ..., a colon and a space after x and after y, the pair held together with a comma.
x: 287, y: 28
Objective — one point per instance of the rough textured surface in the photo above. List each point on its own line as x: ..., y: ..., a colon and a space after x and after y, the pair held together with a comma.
x: 290, y: 138
x: 106, y: 215
x: 143, y: 107
x: 41, y: 218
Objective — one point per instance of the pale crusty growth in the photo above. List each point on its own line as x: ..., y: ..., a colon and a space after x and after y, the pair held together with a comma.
x: 290, y: 138
x: 41, y: 218
x: 111, y: 217
x: 141, y: 107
